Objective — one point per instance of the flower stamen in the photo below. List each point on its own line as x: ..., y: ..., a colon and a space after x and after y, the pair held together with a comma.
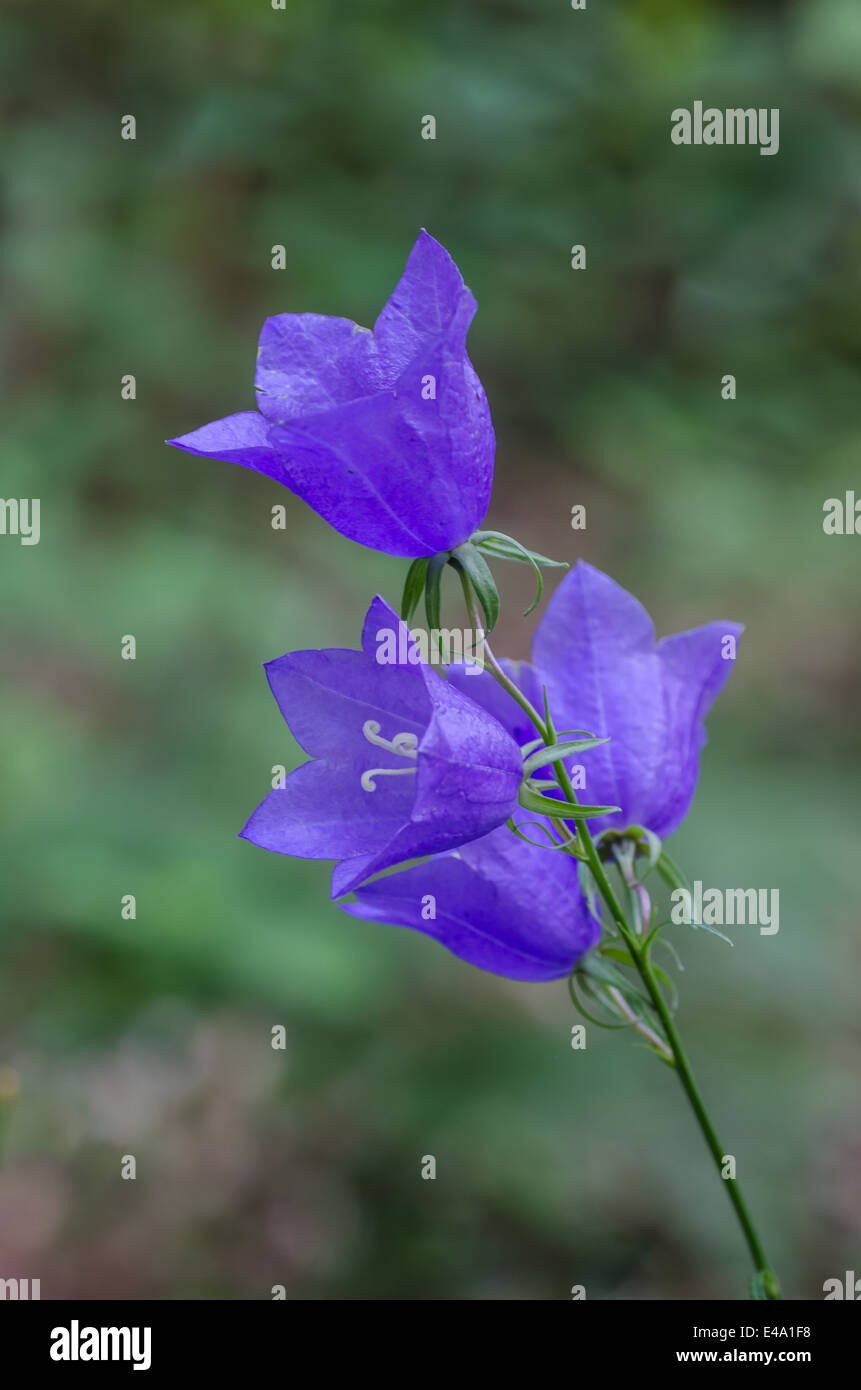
x: 404, y: 745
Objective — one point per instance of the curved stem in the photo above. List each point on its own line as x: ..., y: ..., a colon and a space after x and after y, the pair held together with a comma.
x: 639, y: 949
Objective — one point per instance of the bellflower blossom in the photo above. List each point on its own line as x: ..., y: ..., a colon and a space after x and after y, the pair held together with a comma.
x: 517, y: 910
x: 386, y: 433
x: 506, y: 906
x: 403, y: 763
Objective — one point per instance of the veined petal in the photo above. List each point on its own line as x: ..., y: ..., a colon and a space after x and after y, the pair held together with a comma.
x: 428, y: 297
x: 386, y: 434
x: 327, y: 696
x: 595, y: 649
x: 470, y: 768
x: 407, y: 471
x: 373, y: 799
x: 241, y: 439
x: 696, y: 666
x: 321, y: 812
x: 500, y: 904
x: 308, y: 364
x: 487, y: 692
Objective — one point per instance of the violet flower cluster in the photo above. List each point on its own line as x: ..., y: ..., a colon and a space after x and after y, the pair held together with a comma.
x: 417, y: 778
x: 387, y: 434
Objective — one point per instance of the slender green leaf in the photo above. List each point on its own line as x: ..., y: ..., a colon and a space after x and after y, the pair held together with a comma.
x: 667, y: 982
x: 713, y: 931
x: 557, y: 751
x: 670, y: 872
x: 517, y: 830
x: 589, y: 889
x: 562, y: 810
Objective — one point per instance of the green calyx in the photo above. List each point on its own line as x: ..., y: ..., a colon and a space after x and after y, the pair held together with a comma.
x: 470, y: 561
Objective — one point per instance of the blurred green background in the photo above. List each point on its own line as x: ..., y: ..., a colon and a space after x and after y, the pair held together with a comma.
x: 152, y: 1037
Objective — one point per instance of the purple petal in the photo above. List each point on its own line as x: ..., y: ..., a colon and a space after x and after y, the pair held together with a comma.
x: 308, y: 364
x: 595, y: 649
x: 322, y: 812
x: 470, y: 768
x: 462, y: 784
x: 398, y: 472
x: 241, y: 439
x: 428, y: 297
x: 487, y: 692
x: 327, y: 696
x: 696, y: 666
x: 500, y: 904
x: 469, y: 771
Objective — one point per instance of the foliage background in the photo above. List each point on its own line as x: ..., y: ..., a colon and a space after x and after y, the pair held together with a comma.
x: 151, y: 1037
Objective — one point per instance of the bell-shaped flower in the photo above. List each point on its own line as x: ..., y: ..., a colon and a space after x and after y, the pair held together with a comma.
x: 403, y: 763
x: 501, y: 904
x: 517, y: 910
x: 596, y: 654
x: 385, y: 433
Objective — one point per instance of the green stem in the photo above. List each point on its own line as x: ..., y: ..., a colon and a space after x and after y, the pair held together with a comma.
x: 639, y: 949
x: 768, y: 1279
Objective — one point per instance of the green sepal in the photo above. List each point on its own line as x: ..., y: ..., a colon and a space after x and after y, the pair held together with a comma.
x: 477, y: 571
x: 507, y: 548
x: 575, y: 985
x: 596, y: 967
x: 433, y: 603
x: 649, y: 846
x: 645, y: 842
x: 413, y: 586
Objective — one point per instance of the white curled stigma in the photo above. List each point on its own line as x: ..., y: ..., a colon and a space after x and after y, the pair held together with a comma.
x: 404, y: 745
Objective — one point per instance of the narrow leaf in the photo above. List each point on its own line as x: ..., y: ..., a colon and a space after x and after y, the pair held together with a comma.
x: 557, y: 751
x: 562, y: 810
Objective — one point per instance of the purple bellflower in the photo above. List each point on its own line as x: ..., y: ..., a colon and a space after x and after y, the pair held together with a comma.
x: 385, y: 433
x: 516, y: 910
x: 595, y: 652
x: 501, y: 904
x: 403, y: 763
